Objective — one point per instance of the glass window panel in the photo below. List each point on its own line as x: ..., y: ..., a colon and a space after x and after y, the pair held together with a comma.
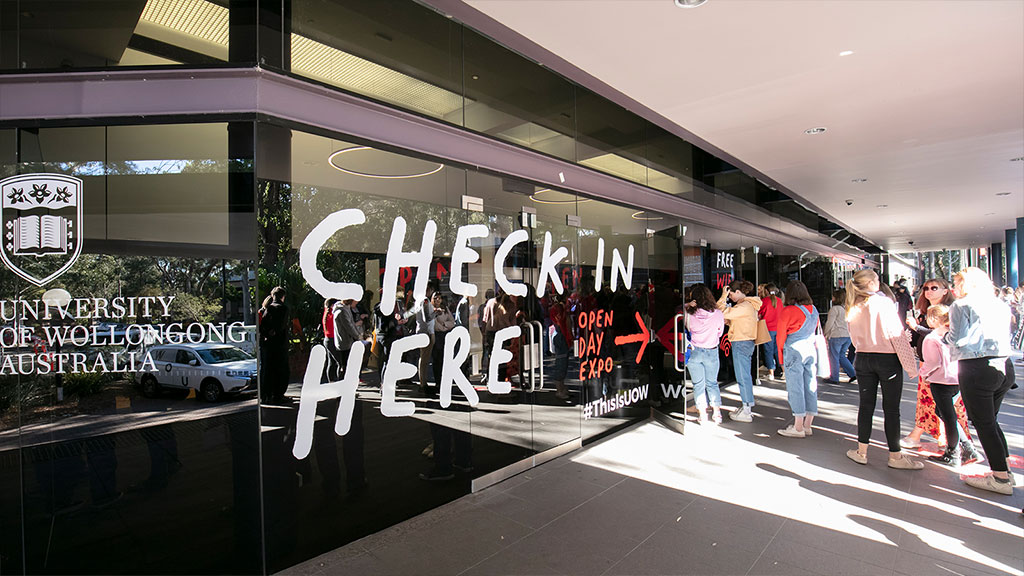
x: 50, y: 34
x: 609, y: 138
x: 516, y: 100
x: 160, y: 184
x: 394, y: 51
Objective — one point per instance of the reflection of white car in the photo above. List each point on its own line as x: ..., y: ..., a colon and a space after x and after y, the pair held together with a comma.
x: 212, y: 369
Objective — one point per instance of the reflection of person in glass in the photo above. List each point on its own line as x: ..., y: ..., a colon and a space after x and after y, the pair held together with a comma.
x: 332, y: 370
x: 389, y: 329
x: 444, y: 321
x: 425, y: 322
x: 559, y: 336
x: 742, y: 320
x: 345, y: 331
x: 273, y: 326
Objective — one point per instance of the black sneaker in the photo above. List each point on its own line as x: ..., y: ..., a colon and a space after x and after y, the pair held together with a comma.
x: 968, y: 454
x: 950, y: 456
x: 435, y: 476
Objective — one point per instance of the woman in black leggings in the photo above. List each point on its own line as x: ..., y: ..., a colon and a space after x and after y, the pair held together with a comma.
x: 876, y: 331
x: 979, y: 339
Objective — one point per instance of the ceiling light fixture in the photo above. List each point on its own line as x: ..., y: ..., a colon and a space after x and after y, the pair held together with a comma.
x: 369, y: 175
x: 636, y: 216
x: 1002, y: 193
x: 540, y: 201
x: 859, y: 180
x: 846, y: 52
x: 689, y: 3
x: 882, y: 206
x: 818, y: 130
x: 1017, y: 159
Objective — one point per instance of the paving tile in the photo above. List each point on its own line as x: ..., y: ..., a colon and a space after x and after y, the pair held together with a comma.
x: 911, y: 564
x: 766, y: 566
x: 577, y: 472
x: 542, y: 500
x: 451, y: 547
x: 992, y: 543
x: 819, y: 560
x: 725, y: 522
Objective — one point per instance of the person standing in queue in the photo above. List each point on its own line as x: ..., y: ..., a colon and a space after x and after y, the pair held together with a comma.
x: 797, y: 325
x: 706, y: 325
x: 838, y: 336
x: 979, y: 340
x: 741, y: 317
x: 875, y: 329
x: 939, y: 372
x: 771, y: 306
x: 273, y: 326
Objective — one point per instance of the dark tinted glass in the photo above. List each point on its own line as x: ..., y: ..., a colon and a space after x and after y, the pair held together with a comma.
x: 395, y: 51
x: 103, y: 445
x: 51, y: 34
x: 514, y: 99
x: 609, y: 138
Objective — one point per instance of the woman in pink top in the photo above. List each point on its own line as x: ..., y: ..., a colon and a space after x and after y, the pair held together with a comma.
x: 876, y: 331
x: 706, y: 324
x: 940, y: 374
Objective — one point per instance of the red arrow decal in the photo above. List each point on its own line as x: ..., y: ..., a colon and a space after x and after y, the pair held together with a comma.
x: 643, y: 337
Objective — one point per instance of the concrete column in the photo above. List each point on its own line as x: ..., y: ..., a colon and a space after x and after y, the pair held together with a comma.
x: 1012, y: 270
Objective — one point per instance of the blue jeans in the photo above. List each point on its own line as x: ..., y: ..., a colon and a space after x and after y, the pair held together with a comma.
x: 703, y: 367
x: 771, y: 352
x: 801, y: 382
x: 837, y: 348
x: 742, y: 352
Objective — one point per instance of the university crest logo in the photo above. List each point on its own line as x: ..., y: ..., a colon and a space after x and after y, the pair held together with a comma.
x: 41, y: 220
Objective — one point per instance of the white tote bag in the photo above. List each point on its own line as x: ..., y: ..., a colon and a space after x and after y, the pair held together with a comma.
x: 821, y: 351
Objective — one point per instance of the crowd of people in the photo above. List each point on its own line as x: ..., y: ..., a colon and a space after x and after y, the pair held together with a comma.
x: 956, y: 341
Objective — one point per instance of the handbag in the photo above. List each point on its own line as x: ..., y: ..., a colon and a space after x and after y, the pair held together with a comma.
x: 821, y: 352
x: 763, y: 335
x: 906, y: 354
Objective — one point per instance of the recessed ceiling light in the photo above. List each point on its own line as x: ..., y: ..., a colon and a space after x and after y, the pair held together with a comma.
x: 846, y: 52
x: 1002, y: 193
x: 859, y: 180
x: 818, y: 130
x: 990, y: 213
x: 689, y: 3
x: 882, y: 206
x: 475, y: 77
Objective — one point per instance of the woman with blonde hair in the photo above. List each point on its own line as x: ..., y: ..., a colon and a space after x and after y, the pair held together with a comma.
x: 876, y: 331
x: 979, y: 340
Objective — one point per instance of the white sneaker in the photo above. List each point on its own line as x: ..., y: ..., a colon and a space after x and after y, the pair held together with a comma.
x: 791, y: 432
x: 741, y: 415
x: 989, y: 482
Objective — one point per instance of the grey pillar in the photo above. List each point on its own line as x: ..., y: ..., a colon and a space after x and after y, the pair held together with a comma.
x: 1012, y: 271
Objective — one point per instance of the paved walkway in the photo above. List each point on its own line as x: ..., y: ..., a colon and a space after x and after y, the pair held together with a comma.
x: 736, y: 499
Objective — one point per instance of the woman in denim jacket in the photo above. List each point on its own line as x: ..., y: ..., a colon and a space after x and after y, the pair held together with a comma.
x: 979, y: 340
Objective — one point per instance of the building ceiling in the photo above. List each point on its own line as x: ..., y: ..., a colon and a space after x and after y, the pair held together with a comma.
x: 923, y: 118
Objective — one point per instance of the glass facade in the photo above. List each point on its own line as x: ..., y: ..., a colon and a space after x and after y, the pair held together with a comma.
x: 232, y: 344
